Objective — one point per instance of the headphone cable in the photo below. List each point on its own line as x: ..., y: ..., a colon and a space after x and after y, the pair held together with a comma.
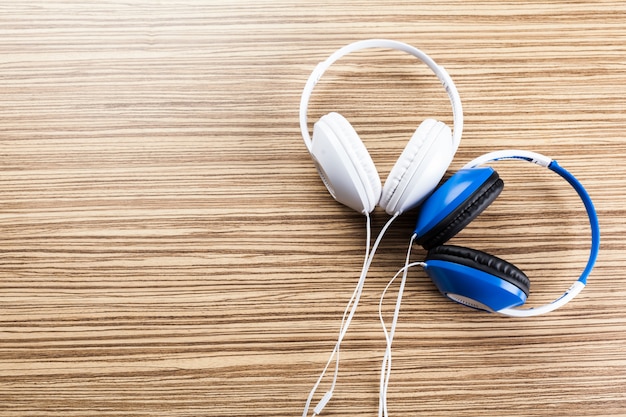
x: 385, y: 371
x: 348, y: 314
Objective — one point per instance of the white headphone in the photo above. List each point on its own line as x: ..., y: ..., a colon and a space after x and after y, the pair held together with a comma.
x: 347, y: 169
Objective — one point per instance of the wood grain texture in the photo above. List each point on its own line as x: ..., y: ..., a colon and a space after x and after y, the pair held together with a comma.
x: 167, y: 248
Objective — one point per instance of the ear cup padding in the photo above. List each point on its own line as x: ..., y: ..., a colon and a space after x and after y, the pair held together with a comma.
x: 419, y: 168
x: 481, y: 261
x: 463, y: 214
x: 408, y: 156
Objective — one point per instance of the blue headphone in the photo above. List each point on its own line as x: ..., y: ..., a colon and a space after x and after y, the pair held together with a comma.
x: 475, y: 278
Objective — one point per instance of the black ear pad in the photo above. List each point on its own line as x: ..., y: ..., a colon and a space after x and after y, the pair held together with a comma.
x: 462, y: 215
x: 481, y: 261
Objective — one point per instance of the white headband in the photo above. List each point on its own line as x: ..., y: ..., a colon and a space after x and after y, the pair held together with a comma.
x: 440, y: 72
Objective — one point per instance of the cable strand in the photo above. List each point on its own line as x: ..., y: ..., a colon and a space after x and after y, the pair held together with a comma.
x: 348, y: 314
x: 385, y: 372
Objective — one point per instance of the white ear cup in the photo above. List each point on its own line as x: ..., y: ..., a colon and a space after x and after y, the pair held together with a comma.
x: 344, y: 163
x: 420, y: 167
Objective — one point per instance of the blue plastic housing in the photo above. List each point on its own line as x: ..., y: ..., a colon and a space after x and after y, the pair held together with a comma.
x: 459, y: 281
x: 449, y: 196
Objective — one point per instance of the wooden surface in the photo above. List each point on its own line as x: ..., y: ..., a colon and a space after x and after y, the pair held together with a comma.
x: 167, y: 248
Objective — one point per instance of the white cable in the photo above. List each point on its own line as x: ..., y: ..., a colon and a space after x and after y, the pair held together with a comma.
x: 345, y: 322
x: 335, y: 353
x: 385, y: 371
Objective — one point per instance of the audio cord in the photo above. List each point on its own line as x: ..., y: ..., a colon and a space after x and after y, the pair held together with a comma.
x: 346, y: 319
x: 385, y: 371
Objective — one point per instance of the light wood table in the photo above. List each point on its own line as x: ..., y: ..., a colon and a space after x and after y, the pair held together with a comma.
x: 168, y: 249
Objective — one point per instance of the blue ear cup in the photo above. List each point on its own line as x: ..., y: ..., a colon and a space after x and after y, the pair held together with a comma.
x: 465, y: 275
x: 476, y: 279
x: 455, y: 204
